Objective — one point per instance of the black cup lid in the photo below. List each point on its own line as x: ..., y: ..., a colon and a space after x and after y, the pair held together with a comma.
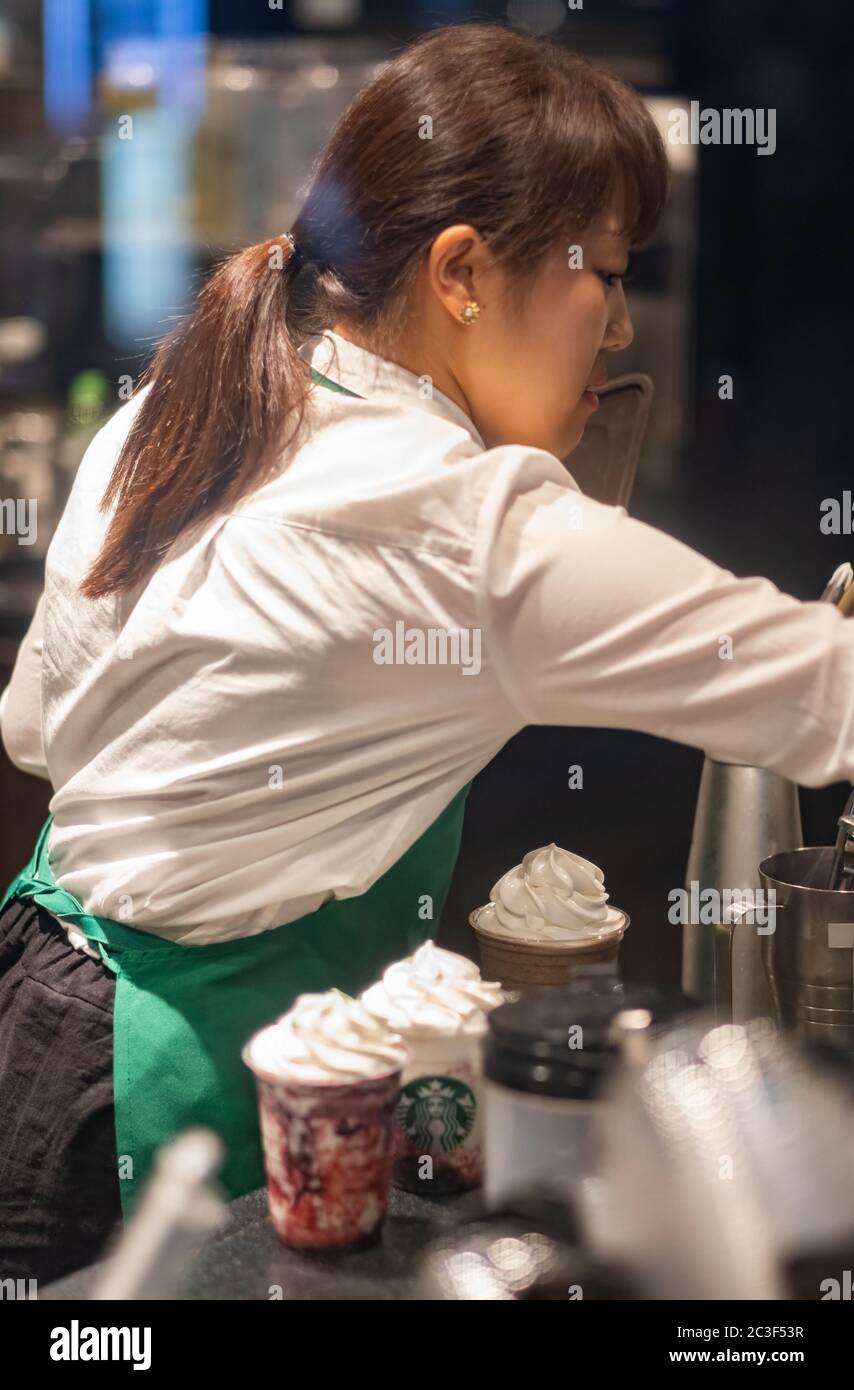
x: 527, y: 1046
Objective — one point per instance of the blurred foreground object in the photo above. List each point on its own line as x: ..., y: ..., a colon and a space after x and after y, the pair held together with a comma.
x: 547, y: 1059
x: 727, y: 1155
x: 525, y: 1252
x: 180, y: 1207
x: 725, y: 1162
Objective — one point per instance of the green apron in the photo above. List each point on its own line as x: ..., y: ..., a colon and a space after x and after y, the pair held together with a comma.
x: 183, y: 1013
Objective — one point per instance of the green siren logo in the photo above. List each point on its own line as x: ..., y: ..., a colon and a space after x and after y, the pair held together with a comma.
x: 436, y: 1112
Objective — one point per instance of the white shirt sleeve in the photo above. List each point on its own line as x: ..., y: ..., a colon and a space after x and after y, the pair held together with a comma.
x: 594, y: 618
x: 21, y: 703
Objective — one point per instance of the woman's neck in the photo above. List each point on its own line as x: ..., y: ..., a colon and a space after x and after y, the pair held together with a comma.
x: 405, y: 357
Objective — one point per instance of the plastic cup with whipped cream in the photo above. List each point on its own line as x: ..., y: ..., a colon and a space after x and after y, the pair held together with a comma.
x: 328, y: 1075
x: 546, y: 918
x: 438, y: 1003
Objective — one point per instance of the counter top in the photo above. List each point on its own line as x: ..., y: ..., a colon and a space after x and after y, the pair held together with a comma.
x: 246, y: 1260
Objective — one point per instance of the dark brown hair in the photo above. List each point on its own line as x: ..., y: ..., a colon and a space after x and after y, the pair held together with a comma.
x: 528, y: 143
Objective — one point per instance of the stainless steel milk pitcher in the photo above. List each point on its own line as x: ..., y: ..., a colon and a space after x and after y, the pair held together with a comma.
x: 810, y: 957
x: 744, y: 814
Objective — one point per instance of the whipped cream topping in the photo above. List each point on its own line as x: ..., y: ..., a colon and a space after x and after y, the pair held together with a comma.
x: 552, y: 895
x: 326, y: 1037
x: 433, y: 993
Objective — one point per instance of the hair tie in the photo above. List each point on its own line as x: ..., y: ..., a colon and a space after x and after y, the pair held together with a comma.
x: 297, y: 254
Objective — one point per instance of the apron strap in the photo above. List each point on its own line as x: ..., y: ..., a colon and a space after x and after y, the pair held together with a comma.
x: 36, y: 881
x: 333, y: 385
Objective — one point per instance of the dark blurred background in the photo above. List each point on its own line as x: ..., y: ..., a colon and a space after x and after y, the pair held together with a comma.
x: 104, y: 241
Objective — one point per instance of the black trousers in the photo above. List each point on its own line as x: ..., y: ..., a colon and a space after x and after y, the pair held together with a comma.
x: 59, y: 1182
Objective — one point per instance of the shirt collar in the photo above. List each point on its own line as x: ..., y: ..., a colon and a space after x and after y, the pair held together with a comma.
x: 376, y: 378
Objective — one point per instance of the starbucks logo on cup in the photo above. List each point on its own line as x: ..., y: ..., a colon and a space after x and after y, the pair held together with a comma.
x: 437, y: 1113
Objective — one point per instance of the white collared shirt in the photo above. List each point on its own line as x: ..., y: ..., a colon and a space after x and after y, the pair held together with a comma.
x: 302, y: 686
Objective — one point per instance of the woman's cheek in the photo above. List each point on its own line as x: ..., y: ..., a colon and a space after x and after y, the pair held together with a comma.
x: 595, y: 312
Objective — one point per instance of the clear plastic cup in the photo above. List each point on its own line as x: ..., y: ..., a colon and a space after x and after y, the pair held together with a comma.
x: 521, y: 963
x: 438, y: 1136
x: 328, y: 1153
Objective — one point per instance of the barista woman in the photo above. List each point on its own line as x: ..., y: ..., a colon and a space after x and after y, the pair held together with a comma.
x: 356, y: 434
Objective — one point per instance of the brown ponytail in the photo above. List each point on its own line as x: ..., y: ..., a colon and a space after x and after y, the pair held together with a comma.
x: 221, y: 387
x: 526, y: 142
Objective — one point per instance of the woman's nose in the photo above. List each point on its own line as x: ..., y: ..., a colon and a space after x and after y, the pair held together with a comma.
x: 620, y: 331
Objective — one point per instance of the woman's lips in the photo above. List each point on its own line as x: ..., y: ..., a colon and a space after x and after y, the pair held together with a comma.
x: 591, y: 394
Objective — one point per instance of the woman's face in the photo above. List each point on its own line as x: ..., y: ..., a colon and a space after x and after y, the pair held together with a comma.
x: 523, y: 377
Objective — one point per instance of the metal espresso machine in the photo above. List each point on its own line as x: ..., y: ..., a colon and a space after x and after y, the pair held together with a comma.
x: 771, y: 933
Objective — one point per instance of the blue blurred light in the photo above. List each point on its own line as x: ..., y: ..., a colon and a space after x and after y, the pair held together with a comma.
x: 157, y: 46
x: 67, y: 45
x: 148, y: 251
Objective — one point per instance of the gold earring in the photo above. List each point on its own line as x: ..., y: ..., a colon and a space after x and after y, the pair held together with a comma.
x: 469, y: 313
